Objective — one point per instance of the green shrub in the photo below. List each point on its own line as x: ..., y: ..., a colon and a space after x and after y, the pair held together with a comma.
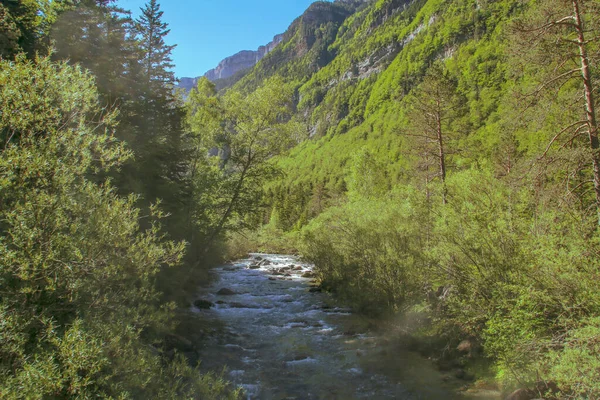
x: 79, y: 313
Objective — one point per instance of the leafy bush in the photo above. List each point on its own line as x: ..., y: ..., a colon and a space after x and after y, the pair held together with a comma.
x: 79, y: 313
x: 370, y: 252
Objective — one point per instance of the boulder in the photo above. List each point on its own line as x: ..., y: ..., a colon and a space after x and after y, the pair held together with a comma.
x: 226, y: 292
x: 308, y: 274
x: 254, y: 266
x: 265, y: 262
x: 203, y: 304
x: 465, y: 346
x: 240, y: 305
x: 297, y: 325
x: 179, y: 343
x: 299, y: 357
x: 315, y: 290
x: 463, y: 375
x: 521, y: 394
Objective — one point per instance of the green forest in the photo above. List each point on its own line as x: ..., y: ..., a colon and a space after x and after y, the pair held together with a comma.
x: 436, y: 160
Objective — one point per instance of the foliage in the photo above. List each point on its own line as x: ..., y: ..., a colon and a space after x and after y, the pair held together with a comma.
x: 244, y: 132
x: 369, y: 251
x: 364, y: 97
x: 80, y: 312
x: 21, y: 27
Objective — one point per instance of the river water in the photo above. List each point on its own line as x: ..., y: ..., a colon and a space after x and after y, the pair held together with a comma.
x: 281, y: 340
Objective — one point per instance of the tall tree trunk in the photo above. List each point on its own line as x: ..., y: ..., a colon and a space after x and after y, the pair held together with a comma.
x: 441, y: 153
x: 590, y: 106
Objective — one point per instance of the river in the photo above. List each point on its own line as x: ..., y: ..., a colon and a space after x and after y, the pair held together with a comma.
x: 282, y: 339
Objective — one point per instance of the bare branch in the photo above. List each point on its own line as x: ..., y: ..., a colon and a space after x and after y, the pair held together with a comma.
x: 559, y: 134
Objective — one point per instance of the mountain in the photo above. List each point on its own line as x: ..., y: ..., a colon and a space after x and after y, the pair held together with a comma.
x: 242, y: 60
x: 354, y: 62
x: 308, y: 36
x: 232, y: 65
x: 306, y: 45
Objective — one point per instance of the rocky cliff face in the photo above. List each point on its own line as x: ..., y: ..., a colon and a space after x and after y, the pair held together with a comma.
x: 316, y: 27
x: 187, y: 83
x: 231, y: 65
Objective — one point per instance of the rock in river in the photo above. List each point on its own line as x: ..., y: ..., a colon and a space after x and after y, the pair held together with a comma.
x: 226, y: 292
x: 203, y: 304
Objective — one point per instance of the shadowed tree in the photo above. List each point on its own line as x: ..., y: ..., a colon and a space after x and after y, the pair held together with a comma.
x: 157, y: 114
x: 20, y: 21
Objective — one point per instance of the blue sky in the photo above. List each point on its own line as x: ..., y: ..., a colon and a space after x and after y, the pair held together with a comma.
x: 206, y: 31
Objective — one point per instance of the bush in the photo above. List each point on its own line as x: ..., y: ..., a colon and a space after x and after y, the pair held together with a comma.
x: 79, y: 314
x: 370, y: 251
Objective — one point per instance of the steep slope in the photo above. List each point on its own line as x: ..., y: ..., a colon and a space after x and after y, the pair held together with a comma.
x: 243, y: 60
x: 305, y: 47
x: 376, y: 56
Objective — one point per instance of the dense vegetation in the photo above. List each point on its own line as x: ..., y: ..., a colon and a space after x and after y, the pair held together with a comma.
x: 451, y: 174
x: 444, y: 166
x: 110, y: 208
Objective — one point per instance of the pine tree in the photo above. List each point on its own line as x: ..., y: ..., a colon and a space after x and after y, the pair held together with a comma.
x: 559, y: 41
x: 435, y: 106
x: 156, y: 54
x: 19, y: 23
x: 161, y: 159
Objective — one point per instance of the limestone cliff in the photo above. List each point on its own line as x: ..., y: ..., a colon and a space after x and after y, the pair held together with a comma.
x: 231, y: 65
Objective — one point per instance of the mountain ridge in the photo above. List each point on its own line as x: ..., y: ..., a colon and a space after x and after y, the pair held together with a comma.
x: 233, y: 68
x: 231, y: 65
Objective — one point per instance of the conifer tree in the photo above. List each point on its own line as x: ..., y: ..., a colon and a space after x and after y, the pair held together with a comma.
x: 97, y: 35
x: 19, y: 23
x: 156, y: 54
x: 559, y: 40
x: 435, y: 105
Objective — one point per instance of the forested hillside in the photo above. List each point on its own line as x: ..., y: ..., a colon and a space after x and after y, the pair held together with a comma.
x: 437, y: 160
x: 448, y: 170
